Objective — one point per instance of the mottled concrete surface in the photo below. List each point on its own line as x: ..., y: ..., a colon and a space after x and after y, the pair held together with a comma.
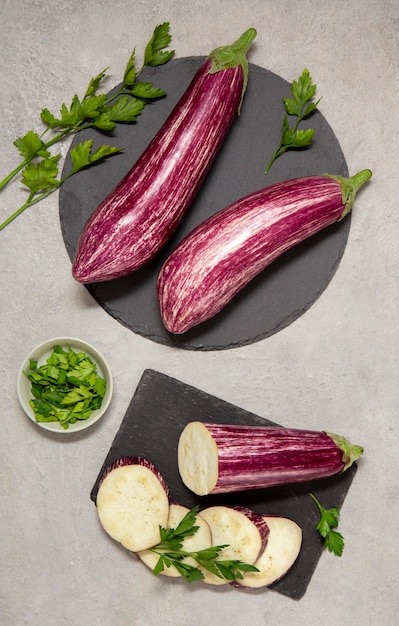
x: 335, y: 368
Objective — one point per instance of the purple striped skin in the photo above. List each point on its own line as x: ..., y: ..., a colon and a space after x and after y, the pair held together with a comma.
x: 138, y: 217
x: 135, y: 460
x: 256, y: 457
x: 226, y: 251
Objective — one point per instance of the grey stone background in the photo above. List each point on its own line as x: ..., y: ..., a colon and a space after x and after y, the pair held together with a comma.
x: 335, y: 368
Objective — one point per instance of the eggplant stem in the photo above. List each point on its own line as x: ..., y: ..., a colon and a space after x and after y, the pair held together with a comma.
x: 350, y: 186
x: 350, y: 451
x: 226, y: 57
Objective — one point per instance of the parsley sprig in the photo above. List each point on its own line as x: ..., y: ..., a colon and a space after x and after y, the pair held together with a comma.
x: 301, y: 105
x: 170, y: 553
x: 40, y: 168
x: 333, y: 540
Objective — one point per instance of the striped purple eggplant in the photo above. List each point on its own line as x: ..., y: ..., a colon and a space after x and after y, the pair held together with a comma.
x: 223, y: 253
x: 219, y: 458
x: 138, y: 217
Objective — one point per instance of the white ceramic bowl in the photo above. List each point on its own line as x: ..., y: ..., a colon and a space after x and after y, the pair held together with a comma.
x: 40, y: 354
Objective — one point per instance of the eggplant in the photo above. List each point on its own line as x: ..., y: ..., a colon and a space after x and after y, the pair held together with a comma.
x: 227, y: 250
x: 139, y: 216
x: 284, y: 544
x: 201, y: 540
x: 218, y: 458
x: 241, y: 531
x: 133, y: 502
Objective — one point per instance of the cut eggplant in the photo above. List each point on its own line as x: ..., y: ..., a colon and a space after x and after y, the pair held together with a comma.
x: 132, y: 502
x: 221, y: 458
x: 201, y: 540
x: 282, y: 549
x: 243, y: 532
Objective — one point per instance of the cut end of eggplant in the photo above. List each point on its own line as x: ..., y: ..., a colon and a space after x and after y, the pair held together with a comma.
x: 282, y: 549
x: 243, y: 533
x: 223, y: 458
x: 198, y: 459
x: 132, y: 504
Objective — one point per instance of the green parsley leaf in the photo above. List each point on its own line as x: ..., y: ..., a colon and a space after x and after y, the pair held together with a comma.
x: 66, y: 388
x: 92, y: 107
x: 48, y: 118
x: 98, y: 111
x: 30, y: 146
x: 129, y: 77
x: 329, y: 518
x: 69, y: 117
x: 147, y: 91
x: 104, y: 122
x: 42, y: 175
x: 189, y: 572
x: 334, y: 542
x: 186, y: 527
x: 82, y: 156
x: 102, y: 152
x: 126, y: 109
x: 170, y: 553
x: 303, y: 91
x: 302, y: 138
x: 154, y: 52
x: 99, y: 387
x: 94, y: 84
x: 301, y: 106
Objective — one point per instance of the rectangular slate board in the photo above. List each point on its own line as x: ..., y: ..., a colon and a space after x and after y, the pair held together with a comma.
x: 159, y: 410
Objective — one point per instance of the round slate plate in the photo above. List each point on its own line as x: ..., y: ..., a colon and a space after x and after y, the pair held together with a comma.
x: 282, y: 292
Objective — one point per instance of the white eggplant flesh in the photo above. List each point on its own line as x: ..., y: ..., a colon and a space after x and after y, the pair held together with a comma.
x: 200, y: 541
x: 282, y: 550
x: 243, y: 532
x: 132, y: 502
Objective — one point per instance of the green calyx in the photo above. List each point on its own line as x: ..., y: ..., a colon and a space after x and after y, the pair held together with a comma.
x: 231, y: 56
x: 350, y: 452
x: 350, y: 186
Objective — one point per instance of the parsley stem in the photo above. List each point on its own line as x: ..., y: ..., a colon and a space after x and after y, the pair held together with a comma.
x: 82, y: 125
x: 301, y: 105
x: 31, y: 200
x: 39, y: 168
x: 12, y: 174
x: 56, y: 139
x: 283, y: 147
x: 275, y: 156
x: 22, y: 208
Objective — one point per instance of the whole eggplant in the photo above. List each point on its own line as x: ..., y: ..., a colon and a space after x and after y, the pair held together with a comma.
x: 223, y: 253
x: 138, y: 217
